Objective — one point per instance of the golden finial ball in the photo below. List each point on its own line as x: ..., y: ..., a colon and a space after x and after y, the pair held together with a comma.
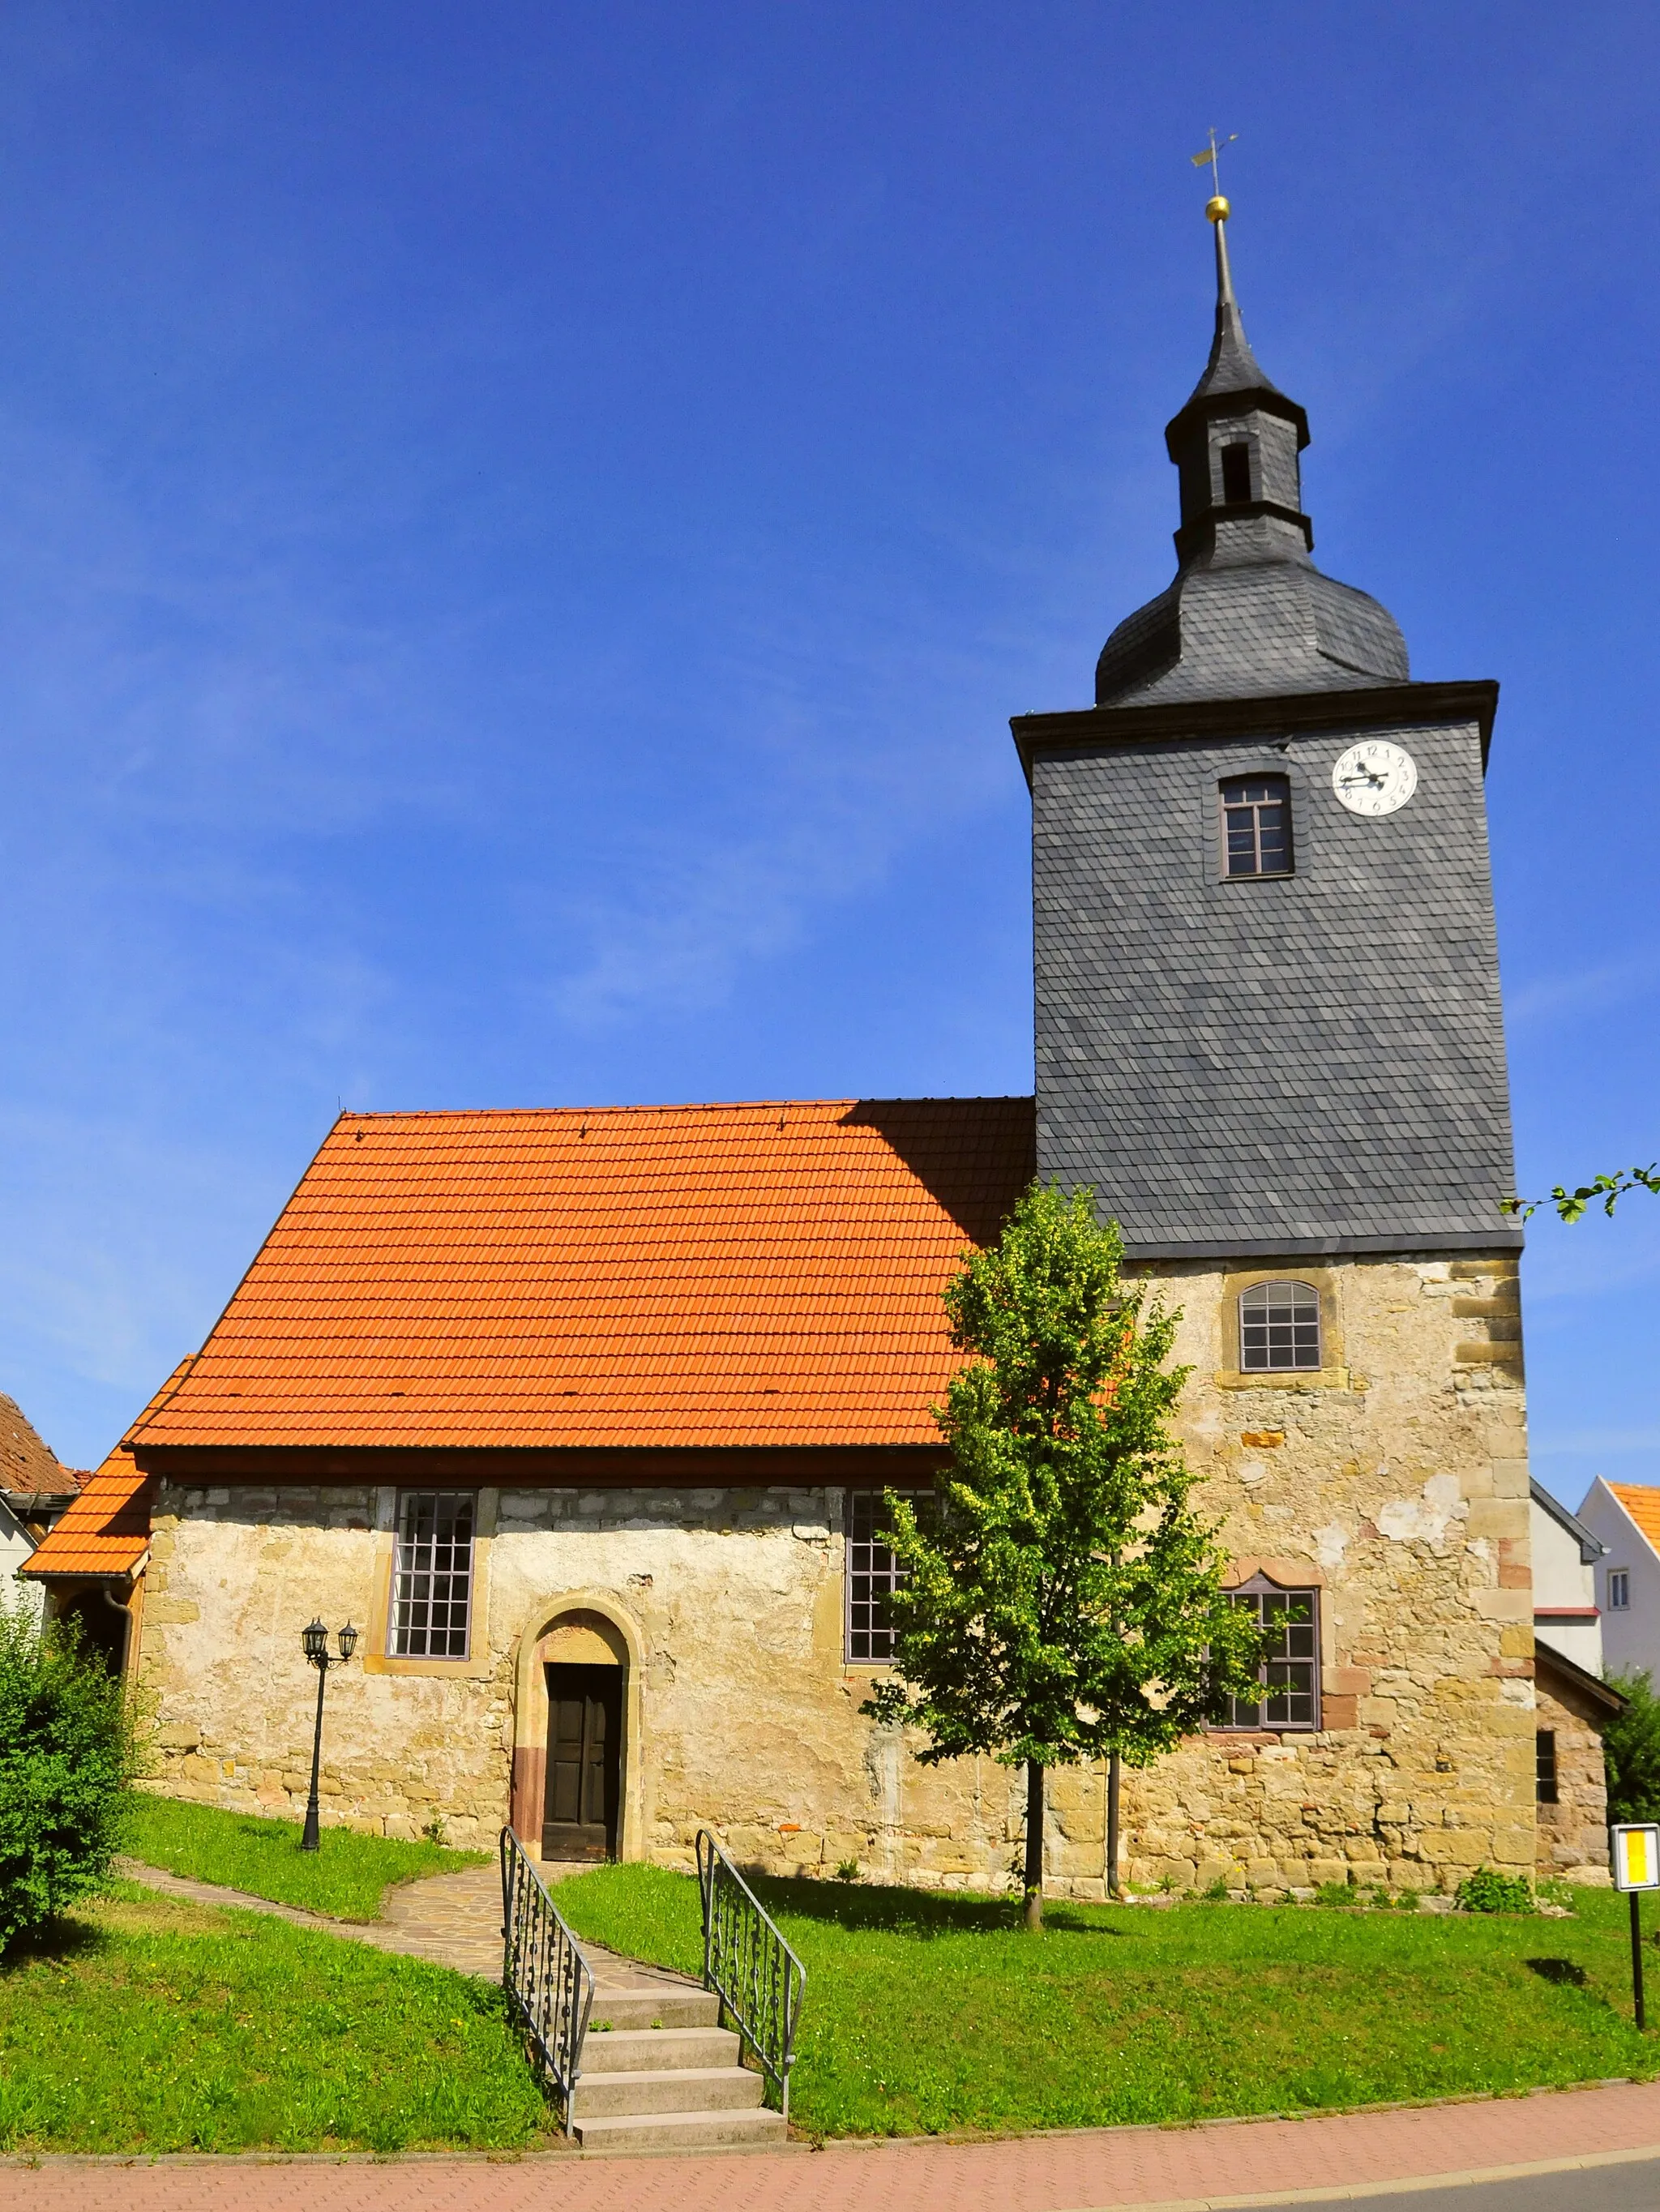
x: 1217, y: 210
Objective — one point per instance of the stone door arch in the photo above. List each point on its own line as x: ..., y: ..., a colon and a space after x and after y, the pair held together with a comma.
x: 585, y: 1628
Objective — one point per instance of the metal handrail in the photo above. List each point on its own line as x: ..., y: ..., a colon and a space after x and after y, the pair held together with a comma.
x: 549, y: 1981
x: 749, y: 1965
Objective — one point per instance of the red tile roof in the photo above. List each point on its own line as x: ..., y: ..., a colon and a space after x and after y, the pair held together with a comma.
x: 104, y: 1531
x: 1642, y: 1501
x: 28, y: 1465
x: 763, y: 1274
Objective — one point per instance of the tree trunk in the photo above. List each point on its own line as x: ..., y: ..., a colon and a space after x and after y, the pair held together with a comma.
x: 1112, y: 1826
x: 1034, y: 1901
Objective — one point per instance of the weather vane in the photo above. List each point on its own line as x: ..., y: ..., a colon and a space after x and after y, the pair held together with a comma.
x: 1218, y: 207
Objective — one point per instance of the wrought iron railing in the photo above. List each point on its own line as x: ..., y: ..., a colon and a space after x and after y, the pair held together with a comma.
x: 756, y: 1976
x: 549, y: 1981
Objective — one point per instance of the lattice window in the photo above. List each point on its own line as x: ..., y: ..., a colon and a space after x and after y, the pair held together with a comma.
x: 1256, y: 825
x: 1280, y: 1328
x: 432, y: 1582
x: 1544, y: 1742
x: 872, y: 1573
x: 1289, y: 1673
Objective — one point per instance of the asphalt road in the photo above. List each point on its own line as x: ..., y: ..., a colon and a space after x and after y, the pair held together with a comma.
x: 1631, y: 2188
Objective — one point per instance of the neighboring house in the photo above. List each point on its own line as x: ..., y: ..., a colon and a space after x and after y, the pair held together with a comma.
x: 1565, y: 1612
x: 587, y: 1418
x: 1625, y: 1518
x: 1574, y: 1703
x: 91, y: 1565
x: 35, y: 1489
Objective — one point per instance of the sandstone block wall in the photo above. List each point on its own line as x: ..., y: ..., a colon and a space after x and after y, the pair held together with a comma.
x: 1573, y: 1833
x: 1394, y: 1482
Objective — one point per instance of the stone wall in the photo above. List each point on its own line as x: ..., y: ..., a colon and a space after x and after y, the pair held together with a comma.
x: 1394, y: 1481
x: 1573, y: 1833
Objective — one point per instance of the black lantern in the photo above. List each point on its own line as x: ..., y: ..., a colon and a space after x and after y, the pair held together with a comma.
x: 314, y: 1641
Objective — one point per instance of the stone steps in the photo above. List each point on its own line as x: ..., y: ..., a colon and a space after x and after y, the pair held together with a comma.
x: 680, y: 2131
x: 659, y: 2073
x: 677, y: 2090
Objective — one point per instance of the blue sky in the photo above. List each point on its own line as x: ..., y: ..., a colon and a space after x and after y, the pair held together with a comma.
x: 521, y: 529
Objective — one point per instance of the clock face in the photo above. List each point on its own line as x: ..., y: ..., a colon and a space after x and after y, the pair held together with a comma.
x: 1375, y: 777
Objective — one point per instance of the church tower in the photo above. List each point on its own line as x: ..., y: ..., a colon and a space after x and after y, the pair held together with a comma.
x: 1267, y: 1016
x: 1269, y: 1036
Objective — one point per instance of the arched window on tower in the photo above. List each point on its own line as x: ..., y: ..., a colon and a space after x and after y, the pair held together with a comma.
x: 1278, y: 1328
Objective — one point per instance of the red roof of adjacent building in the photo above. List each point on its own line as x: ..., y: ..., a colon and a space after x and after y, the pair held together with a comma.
x: 28, y: 1465
x: 104, y: 1531
x: 1642, y: 1501
x: 763, y: 1274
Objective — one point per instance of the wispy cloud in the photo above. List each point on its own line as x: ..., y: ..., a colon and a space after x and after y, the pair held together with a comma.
x: 1596, y: 1444
x: 1587, y: 991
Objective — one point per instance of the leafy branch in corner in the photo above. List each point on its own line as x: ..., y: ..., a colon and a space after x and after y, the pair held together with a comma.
x: 1572, y: 1204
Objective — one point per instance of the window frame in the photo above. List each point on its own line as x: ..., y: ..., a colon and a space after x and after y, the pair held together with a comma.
x: 851, y: 1572
x: 1546, y: 1774
x: 1316, y: 1365
x: 1255, y: 1589
x: 1242, y: 778
x: 1622, y: 1603
x: 398, y: 1630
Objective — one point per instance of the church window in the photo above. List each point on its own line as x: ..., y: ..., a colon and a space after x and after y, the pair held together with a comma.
x: 1256, y: 825
x: 1278, y: 1328
x: 431, y: 1577
x: 1544, y: 1743
x: 873, y: 1573
x: 1236, y: 472
x: 1619, y: 1588
x: 1288, y: 1696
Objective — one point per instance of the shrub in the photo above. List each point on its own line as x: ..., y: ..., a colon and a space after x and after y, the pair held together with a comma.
x: 66, y: 1756
x: 1631, y: 1750
x: 1487, y: 1890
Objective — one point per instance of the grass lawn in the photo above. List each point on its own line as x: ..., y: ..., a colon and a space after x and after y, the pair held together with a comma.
x: 927, y: 2013
x: 346, y: 1877
x: 144, y: 2024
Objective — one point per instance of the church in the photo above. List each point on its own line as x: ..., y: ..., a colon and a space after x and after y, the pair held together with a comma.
x: 586, y: 1418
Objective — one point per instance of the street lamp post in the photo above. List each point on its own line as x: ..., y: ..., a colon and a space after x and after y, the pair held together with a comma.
x: 316, y: 1642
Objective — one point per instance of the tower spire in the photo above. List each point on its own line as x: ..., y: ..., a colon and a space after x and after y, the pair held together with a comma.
x: 1248, y: 611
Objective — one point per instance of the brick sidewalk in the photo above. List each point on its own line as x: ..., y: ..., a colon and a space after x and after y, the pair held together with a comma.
x: 1216, y: 2164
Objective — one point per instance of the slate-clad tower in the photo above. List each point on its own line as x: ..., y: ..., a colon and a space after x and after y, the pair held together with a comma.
x: 1267, y: 1016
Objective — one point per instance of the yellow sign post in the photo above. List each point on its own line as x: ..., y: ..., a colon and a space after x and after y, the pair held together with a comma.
x: 1636, y: 1856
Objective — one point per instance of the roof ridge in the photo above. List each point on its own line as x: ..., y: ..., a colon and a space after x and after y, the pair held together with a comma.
x: 685, y: 1106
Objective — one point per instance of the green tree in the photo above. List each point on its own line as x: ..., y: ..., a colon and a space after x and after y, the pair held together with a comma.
x: 1062, y: 1600
x: 1631, y: 1750
x: 67, y: 1754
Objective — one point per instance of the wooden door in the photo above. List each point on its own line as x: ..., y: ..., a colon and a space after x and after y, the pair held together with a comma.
x: 584, y: 1743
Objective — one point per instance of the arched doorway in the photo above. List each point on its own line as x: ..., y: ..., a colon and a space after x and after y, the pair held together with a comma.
x: 577, y: 1735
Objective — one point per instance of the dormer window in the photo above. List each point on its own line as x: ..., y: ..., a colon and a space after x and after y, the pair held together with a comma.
x: 1256, y: 825
x: 1280, y: 1328
x: 1236, y: 472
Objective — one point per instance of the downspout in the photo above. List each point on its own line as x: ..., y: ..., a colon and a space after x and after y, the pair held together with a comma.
x: 116, y: 1605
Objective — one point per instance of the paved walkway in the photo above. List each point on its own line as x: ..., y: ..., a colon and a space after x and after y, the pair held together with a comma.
x: 1573, y: 2133
x: 452, y: 1919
